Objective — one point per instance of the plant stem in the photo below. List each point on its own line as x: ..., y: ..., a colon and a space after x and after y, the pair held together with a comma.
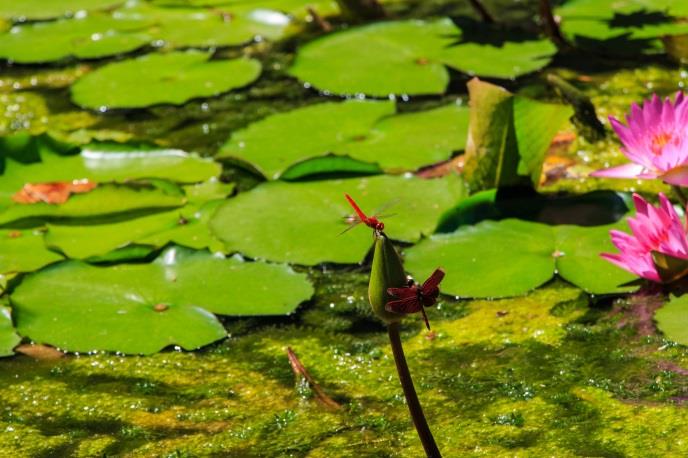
x: 482, y: 11
x: 412, y: 401
x: 552, y: 29
x: 681, y: 196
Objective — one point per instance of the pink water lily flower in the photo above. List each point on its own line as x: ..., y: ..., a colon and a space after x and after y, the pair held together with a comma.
x: 657, y: 229
x: 655, y: 140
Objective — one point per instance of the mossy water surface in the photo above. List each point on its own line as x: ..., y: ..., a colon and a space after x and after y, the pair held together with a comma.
x: 543, y: 375
x: 555, y: 373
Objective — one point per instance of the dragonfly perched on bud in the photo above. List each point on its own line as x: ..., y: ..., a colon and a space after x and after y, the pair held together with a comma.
x: 372, y: 222
x: 414, y: 298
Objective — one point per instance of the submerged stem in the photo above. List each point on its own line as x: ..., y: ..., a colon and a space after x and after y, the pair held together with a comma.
x: 414, y: 406
x: 681, y: 196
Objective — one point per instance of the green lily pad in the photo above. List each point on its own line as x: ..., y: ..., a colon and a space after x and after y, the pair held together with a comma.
x: 104, y: 201
x: 142, y: 308
x: 672, y: 319
x: 187, y: 226
x: 22, y: 10
x: 366, y: 131
x: 301, y: 222
x: 198, y: 27
x: 409, y: 141
x: 512, y: 257
x: 8, y: 337
x: 153, y: 79
x: 24, y: 251
x: 106, y: 163
x: 412, y: 55
x: 303, y: 133
x: 622, y: 26
x: 87, y: 37
x: 296, y: 8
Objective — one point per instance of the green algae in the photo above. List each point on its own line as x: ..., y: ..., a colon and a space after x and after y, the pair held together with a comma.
x: 534, y: 376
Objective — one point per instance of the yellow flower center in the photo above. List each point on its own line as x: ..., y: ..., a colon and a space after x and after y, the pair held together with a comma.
x: 660, y: 141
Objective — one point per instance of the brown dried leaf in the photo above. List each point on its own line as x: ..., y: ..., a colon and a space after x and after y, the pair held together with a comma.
x: 57, y: 192
x: 38, y: 351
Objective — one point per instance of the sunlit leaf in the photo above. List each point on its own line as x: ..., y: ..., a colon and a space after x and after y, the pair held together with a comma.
x: 512, y: 257
x: 672, y: 319
x: 24, y: 251
x: 301, y: 222
x: 412, y: 55
x: 48, y: 9
x: 8, y: 336
x: 142, y: 308
x: 86, y: 37
x: 153, y: 79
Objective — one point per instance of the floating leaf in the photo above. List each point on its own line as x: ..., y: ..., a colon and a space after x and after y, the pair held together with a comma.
x: 187, y: 226
x: 303, y: 133
x: 197, y: 27
x: 301, y: 222
x: 142, y: 308
x: 84, y: 37
x: 509, y: 136
x: 8, y: 337
x: 412, y: 56
x: 100, y: 163
x: 22, y: 10
x: 672, y: 319
x: 622, y: 26
x: 512, y: 257
x: 24, y: 251
x: 311, y: 138
x: 297, y: 8
x: 104, y: 201
x: 152, y: 79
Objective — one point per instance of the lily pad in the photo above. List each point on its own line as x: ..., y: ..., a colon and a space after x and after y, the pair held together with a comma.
x: 8, y: 337
x: 301, y: 222
x: 187, y: 226
x: 153, y: 79
x: 22, y: 10
x: 365, y: 131
x: 84, y: 37
x: 198, y: 27
x: 512, y: 257
x: 143, y: 308
x: 104, y: 201
x: 24, y: 251
x: 302, y: 134
x: 100, y: 163
x: 672, y: 319
x: 412, y: 55
x: 296, y: 8
x: 622, y: 26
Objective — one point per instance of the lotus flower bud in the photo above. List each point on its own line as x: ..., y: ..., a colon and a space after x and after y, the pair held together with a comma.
x: 387, y: 272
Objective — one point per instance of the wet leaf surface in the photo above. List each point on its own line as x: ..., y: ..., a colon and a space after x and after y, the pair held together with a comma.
x: 512, y: 257
x: 273, y: 219
x: 142, y: 308
x: 413, y: 55
x: 172, y: 78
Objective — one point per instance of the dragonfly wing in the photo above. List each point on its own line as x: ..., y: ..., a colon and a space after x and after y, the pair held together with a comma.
x: 406, y: 305
x: 351, y: 226
x: 432, y: 282
x: 402, y: 293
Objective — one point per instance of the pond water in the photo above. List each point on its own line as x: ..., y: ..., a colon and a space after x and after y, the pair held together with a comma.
x: 554, y: 372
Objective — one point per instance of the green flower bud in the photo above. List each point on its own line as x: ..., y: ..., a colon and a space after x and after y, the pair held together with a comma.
x: 387, y: 272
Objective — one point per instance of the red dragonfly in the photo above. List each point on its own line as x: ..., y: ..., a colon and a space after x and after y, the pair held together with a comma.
x: 370, y: 221
x: 414, y: 297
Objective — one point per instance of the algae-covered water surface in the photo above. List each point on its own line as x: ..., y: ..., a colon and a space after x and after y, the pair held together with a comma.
x: 176, y: 274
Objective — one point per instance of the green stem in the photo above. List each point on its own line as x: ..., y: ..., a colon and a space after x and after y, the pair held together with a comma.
x: 412, y: 401
x: 681, y: 196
